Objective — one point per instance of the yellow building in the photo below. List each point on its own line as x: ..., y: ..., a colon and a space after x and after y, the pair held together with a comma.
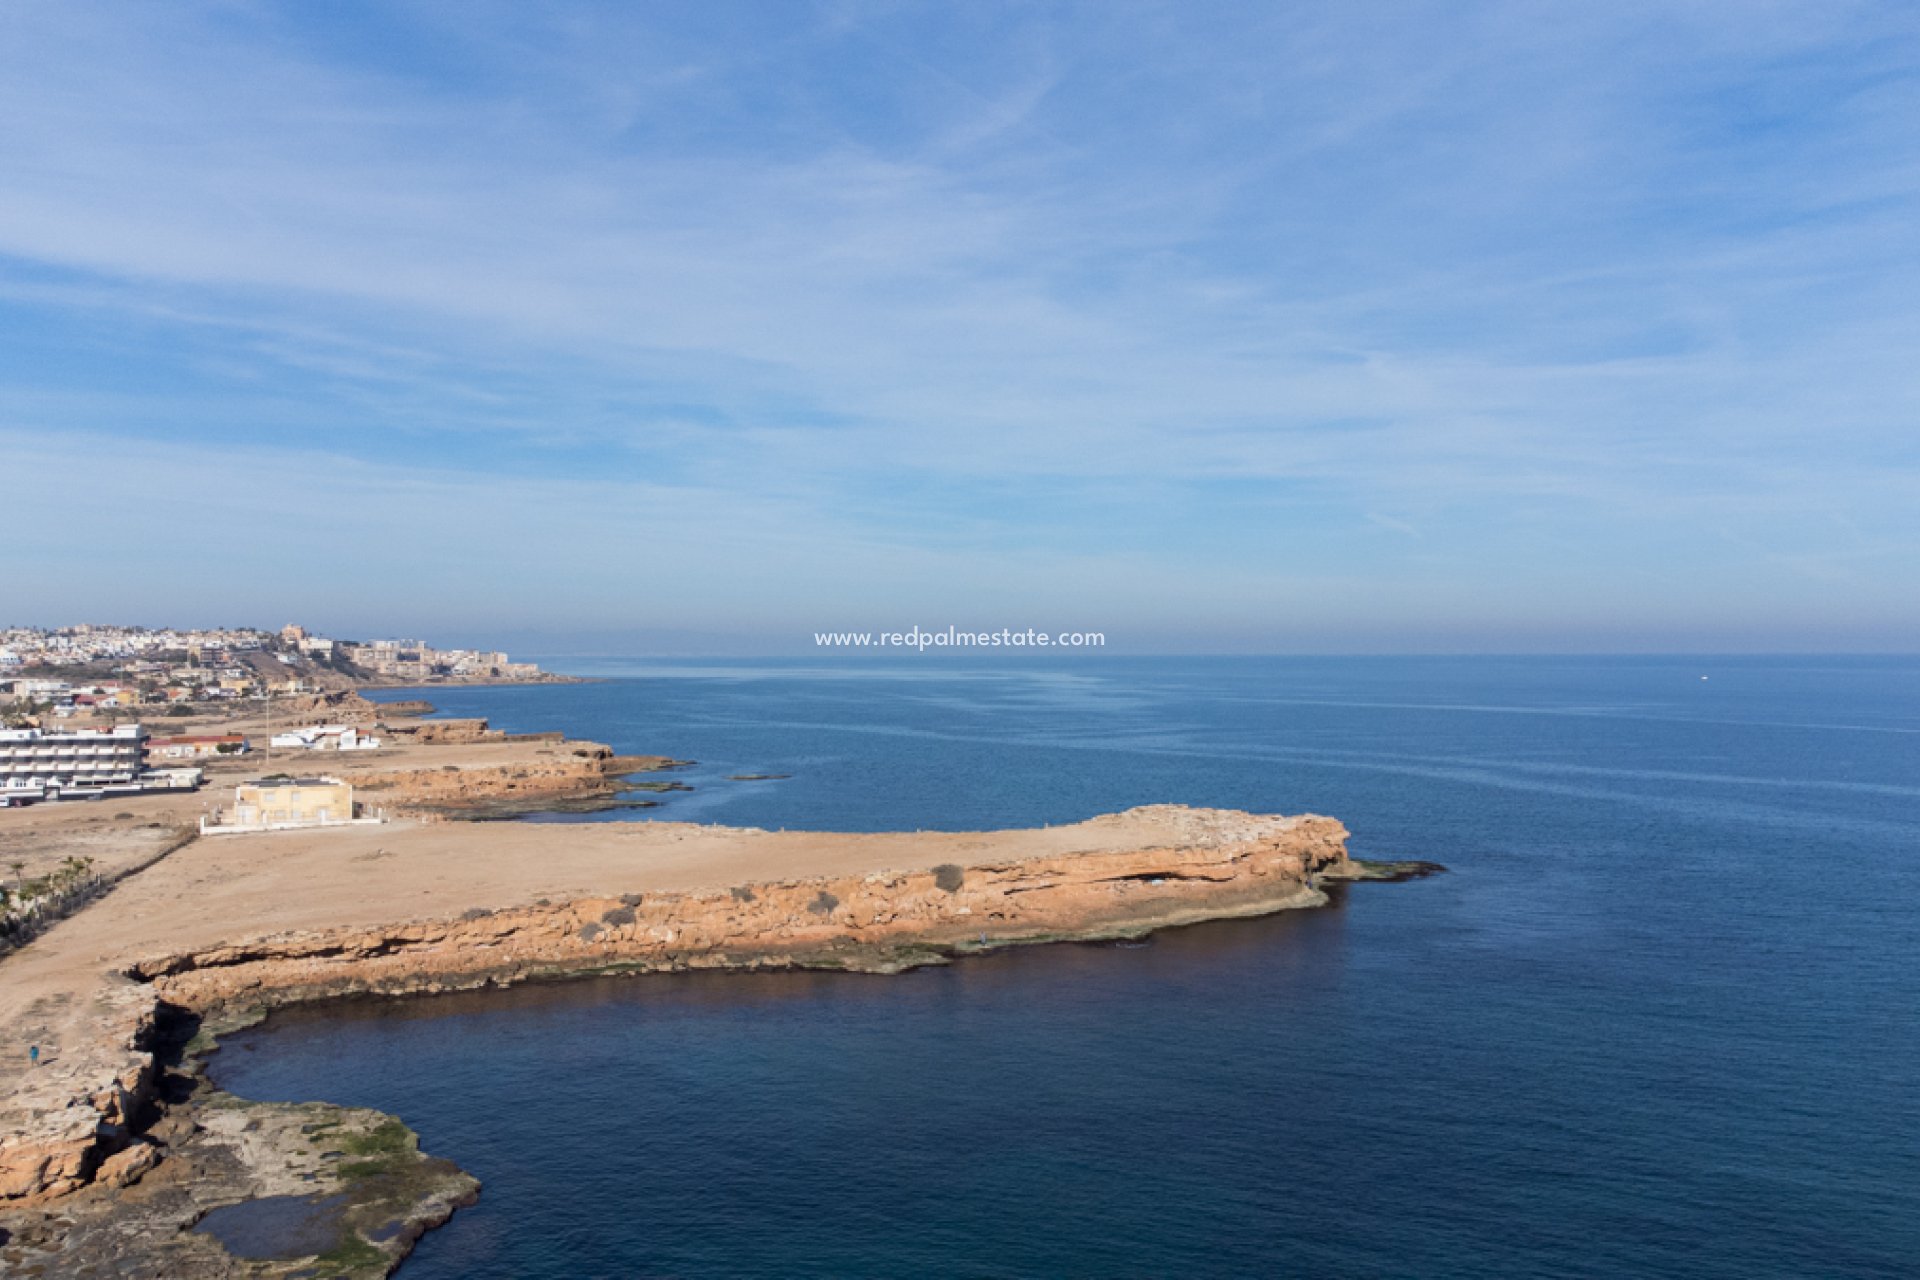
x: 306, y: 802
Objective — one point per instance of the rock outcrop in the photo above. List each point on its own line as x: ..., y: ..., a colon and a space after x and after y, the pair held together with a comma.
x: 260, y: 1190
x: 466, y: 729
x: 579, y: 772
x: 880, y: 922
x: 70, y: 1121
x: 73, y: 1120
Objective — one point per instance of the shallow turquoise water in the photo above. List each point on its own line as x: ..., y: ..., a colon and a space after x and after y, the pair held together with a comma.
x: 1660, y: 1018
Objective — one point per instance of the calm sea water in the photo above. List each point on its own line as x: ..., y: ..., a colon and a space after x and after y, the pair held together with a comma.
x: 1661, y: 1019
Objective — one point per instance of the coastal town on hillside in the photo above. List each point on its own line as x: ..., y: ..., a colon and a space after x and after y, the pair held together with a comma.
x: 78, y: 704
x: 217, y: 662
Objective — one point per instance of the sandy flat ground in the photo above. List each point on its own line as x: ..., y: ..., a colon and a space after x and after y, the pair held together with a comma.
x: 222, y: 889
x: 229, y: 887
x: 121, y: 831
x: 117, y: 833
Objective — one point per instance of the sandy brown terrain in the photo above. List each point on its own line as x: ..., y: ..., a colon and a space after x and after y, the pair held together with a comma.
x: 117, y: 834
x: 222, y: 889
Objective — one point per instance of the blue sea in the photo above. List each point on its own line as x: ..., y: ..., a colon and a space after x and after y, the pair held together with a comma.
x: 1661, y: 1017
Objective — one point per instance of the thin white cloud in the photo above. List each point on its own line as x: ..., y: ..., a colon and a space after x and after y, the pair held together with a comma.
x: 1470, y: 267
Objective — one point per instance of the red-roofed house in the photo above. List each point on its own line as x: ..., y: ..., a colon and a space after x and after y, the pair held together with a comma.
x: 196, y: 746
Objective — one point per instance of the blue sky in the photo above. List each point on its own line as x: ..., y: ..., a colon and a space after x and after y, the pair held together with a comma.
x: 1328, y: 328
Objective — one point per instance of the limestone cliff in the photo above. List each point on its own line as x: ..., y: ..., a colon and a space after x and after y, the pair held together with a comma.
x: 575, y: 771
x: 84, y: 1119
x: 73, y: 1121
x: 882, y: 922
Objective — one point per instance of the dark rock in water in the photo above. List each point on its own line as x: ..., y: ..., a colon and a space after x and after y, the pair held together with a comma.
x: 1393, y: 872
x: 511, y: 811
x: 278, y: 1228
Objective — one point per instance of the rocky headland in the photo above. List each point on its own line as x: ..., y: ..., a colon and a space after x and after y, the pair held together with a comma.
x: 880, y: 922
x: 117, y: 1157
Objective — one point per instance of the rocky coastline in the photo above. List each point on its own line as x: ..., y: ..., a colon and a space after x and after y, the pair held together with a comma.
x: 131, y: 1147
x: 880, y: 922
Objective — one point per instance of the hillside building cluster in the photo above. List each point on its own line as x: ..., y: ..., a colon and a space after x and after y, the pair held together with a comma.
x: 86, y: 644
x: 418, y: 660
x: 82, y: 670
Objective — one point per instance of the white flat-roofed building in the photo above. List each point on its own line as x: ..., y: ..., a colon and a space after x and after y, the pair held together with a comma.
x: 36, y: 763
x: 42, y: 688
x: 325, y: 737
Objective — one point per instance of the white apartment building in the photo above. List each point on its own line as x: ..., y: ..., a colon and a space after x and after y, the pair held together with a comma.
x: 37, y: 763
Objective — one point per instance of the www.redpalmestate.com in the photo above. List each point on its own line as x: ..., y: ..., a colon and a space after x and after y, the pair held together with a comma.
x: 955, y: 638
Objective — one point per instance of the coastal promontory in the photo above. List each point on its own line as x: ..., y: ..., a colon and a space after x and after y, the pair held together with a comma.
x: 114, y: 1148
